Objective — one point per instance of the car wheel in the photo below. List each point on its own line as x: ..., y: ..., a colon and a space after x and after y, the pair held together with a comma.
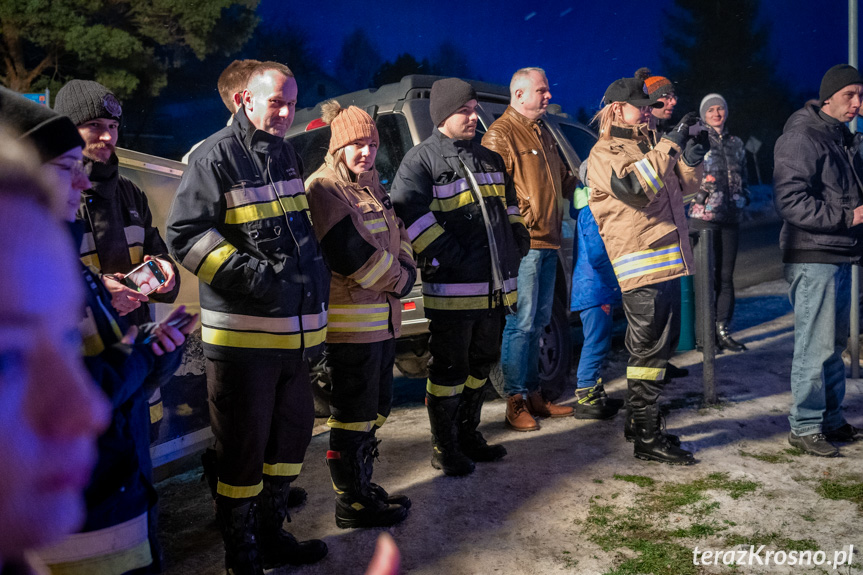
x: 555, y: 354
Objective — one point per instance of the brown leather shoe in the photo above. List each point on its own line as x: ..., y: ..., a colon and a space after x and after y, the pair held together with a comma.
x: 517, y: 417
x: 538, y: 406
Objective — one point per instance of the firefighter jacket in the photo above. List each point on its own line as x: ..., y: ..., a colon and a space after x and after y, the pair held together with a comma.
x: 637, y: 199
x: 541, y: 179
x: 368, y: 251
x: 119, y: 231
x: 120, y: 492
x: 240, y: 222
x: 435, y: 192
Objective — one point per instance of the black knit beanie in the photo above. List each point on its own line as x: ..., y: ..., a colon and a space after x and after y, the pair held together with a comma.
x: 85, y: 100
x: 52, y: 134
x: 447, y: 96
x: 837, y: 78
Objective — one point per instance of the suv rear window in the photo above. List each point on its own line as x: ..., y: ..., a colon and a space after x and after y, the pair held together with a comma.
x: 395, y: 142
x: 580, y: 139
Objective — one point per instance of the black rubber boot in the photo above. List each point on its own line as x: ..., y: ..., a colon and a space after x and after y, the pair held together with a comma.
x: 446, y: 453
x: 593, y: 403
x: 237, y: 522
x: 651, y: 444
x: 724, y: 339
x: 371, y: 452
x: 277, y: 546
x: 470, y: 440
x: 350, y: 461
x: 629, y: 433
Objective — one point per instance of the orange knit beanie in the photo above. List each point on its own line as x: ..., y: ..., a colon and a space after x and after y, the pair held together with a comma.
x: 348, y: 125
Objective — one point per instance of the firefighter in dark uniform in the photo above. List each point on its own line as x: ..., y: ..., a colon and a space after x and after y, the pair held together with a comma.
x: 462, y: 216
x: 240, y: 222
x: 118, y: 227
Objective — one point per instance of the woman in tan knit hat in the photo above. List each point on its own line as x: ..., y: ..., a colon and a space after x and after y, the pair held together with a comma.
x: 368, y: 251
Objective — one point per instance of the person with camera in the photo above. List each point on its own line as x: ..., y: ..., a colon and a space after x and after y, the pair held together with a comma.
x: 637, y: 190
x: 367, y: 248
x: 718, y: 205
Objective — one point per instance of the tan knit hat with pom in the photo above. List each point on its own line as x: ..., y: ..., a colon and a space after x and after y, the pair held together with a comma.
x: 348, y: 125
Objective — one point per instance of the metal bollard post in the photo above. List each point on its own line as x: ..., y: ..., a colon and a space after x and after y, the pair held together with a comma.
x: 704, y: 278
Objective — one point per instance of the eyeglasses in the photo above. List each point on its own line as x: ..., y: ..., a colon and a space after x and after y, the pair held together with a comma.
x: 71, y: 166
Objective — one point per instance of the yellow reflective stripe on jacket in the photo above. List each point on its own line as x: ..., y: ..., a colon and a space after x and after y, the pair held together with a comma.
x: 376, y: 225
x: 92, y: 262
x: 422, y: 223
x: 239, y: 491
x: 207, y: 255
x: 645, y: 373
x: 253, y: 340
x: 648, y: 262
x: 406, y: 248
x: 379, y: 422
x: 358, y: 318
x: 647, y: 171
x: 474, y: 383
x: 117, y: 549
x: 516, y: 220
x: 456, y: 303
x: 385, y: 262
x: 136, y: 254
x: 157, y: 412
x: 215, y: 260
x: 465, y: 198
x: 432, y: 233
x: 93, y: 344
x: 443, y: 390
x: 362, y: 426
x: 282, y: 469
x: 239, y: 322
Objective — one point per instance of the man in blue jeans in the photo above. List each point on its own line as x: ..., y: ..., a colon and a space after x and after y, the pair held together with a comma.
x: 819, y: 194
x: 541, y: 181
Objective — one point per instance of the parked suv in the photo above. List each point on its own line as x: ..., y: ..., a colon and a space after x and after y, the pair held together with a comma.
x: 401, y: 112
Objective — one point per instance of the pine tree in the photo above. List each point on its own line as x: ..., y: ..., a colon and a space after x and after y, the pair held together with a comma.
x: 721, y: 46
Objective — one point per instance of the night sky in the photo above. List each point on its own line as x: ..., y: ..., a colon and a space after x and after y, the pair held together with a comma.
x: 583, y: 46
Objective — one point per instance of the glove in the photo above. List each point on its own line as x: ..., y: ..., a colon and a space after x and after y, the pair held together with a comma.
x: 680, y: 133
x: 412, y: 278
x: 696, y: 148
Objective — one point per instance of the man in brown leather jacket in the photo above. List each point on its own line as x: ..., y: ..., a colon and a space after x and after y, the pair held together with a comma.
x: 542, y: 181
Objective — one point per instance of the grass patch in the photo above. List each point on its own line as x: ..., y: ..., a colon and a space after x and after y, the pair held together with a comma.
x: 772, y: 539
x: 598, y: 481
x: 849, y: 488
x: 659, y: 559
x: 639, y: 480
x: 794, y: 451
x: 807, y: 518
x: 697, y: 530
x: 766, y: 457
x: 569, y: 562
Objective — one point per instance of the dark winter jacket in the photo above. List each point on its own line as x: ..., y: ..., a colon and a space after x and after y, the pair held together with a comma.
x: 816, y: 188
x: 593, y: 279
x: 240, y: 222
x: 433, y: 196
x: 120, y: 493
x: 119, y: 231
x: 724, y: 182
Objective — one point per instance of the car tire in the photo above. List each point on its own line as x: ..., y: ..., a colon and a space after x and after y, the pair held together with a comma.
x: 555, y: 355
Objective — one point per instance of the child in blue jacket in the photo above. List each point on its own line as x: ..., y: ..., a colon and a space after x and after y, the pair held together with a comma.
x: 595, y: 292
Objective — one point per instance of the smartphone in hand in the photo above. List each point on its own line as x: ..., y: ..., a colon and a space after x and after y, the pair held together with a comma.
x: 145, y: 278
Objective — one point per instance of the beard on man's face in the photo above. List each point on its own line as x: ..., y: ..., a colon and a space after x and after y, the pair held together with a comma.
x: 100, y: 151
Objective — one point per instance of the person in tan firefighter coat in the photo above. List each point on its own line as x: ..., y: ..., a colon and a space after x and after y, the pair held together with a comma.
x: 638, y: 183
x: 462, y: 217
x: 240, y: 222
x: 367, y: 248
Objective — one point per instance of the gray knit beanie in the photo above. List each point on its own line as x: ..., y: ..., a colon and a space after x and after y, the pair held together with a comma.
x: 85, y: 100
x: 712, y: 100
x: 447, y: 96
x: 837, y: 78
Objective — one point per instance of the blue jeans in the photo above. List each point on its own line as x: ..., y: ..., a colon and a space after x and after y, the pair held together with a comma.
x: 821, y: 297
x: 597, y: 325
x: 520, y: 349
